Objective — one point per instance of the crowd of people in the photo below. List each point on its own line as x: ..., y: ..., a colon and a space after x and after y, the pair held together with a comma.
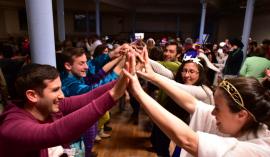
x: 204, y: 99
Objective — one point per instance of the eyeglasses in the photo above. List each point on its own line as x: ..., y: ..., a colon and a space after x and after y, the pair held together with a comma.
x: 191, y: 72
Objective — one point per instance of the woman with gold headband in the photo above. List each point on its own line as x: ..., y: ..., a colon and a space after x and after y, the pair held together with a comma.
x: 235, y: 126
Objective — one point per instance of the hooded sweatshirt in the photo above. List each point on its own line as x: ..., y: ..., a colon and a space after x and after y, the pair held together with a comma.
x: 22, y: 135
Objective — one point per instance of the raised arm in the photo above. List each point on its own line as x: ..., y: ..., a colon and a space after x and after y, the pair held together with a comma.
x: 113, y: 75
x: 202, y: 93
x: 34, y: 135
x: 97, y: 63
x: 160, y: 69
x: 107, y: 67
x: 184, y: 99
x: 208, y: 63
x: 102, y: 75
x: 174, y: 128
x: 70, y: 104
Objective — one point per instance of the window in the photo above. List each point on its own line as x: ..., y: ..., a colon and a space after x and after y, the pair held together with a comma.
x: 84, y: 22
x: 80, y: 22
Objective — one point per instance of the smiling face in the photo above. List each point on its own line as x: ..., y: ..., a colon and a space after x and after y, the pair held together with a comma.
x: 190, y: 73
x: 79, y: 66
x: 170, y: 53
x: 227, y: 121
x: 48, y: 101
x: 106, y: 51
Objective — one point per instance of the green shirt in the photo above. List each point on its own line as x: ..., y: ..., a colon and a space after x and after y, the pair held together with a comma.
x: 173, y: 66
x: 255, y: 66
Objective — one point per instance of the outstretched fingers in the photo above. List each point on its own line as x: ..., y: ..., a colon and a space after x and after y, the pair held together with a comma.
x: 148, y: 73
x: 130, y: 73
x: 132, y: 63
x: 127, y: 74
x: 145, y: 54
x: 129, y: 69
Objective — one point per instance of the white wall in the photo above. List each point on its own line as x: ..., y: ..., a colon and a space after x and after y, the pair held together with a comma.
x: 69, y: 23
x: 12, y: 21
x: 230, y: 27
x: 233, y: 27
x: 146, y: 23
x: 261, y: 27
x: 9, y: 23
x: 2, y: 24
x: 114, y: 24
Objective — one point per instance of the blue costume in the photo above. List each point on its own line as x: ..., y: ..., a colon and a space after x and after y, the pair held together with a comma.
x: 73, y: 85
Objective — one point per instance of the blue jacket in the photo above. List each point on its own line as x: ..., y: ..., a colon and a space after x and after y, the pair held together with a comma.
x: 73, y: 85
x: 96, y: 64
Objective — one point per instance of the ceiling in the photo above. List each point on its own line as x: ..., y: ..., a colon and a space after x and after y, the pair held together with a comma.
x: 156, y: 6
x: 170, y: 6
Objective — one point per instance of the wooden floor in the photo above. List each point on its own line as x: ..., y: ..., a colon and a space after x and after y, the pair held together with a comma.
x: 127, y: 139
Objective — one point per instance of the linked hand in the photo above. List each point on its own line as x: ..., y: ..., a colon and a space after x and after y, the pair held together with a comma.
x: 121, y: 85
x: 118, y: 51
x: 130, y: 71
x: 147, y: 73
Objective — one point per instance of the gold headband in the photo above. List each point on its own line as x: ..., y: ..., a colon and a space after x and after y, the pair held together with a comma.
x: 235, y: 95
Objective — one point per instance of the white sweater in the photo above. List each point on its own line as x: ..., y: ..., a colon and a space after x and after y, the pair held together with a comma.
x: 213, y: 143
x: 202, y: 93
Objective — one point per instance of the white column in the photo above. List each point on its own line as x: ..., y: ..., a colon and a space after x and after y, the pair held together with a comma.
x: 98, y: 17
x: 61, y: 20
x: 247, y: 24
x: 204, y: 4
x: 41, y: 32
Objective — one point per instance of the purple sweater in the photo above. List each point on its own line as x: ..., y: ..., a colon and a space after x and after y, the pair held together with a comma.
x: 21, y: 135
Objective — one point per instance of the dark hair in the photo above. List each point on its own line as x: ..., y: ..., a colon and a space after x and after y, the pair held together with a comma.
x: 99, y: 50
x: 188, y: 41
x: 67, y: 43
x: 156, y: 54
x: 266, y: 42
x: 202, y: 73
x: 7, y: 51
x: 69, y: 53
x: 170, y: 104
x: 260, y: 52
x: 253, y: 43
x: 237, y: 42
x: 179, y: 49
x: 256, y: 100
x: 266, y: 83
x: 32, y: 76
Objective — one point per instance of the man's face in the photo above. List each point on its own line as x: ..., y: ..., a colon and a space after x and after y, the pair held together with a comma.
x: 48, y: 101
x: 170, y: 53
x: 79, y: 66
